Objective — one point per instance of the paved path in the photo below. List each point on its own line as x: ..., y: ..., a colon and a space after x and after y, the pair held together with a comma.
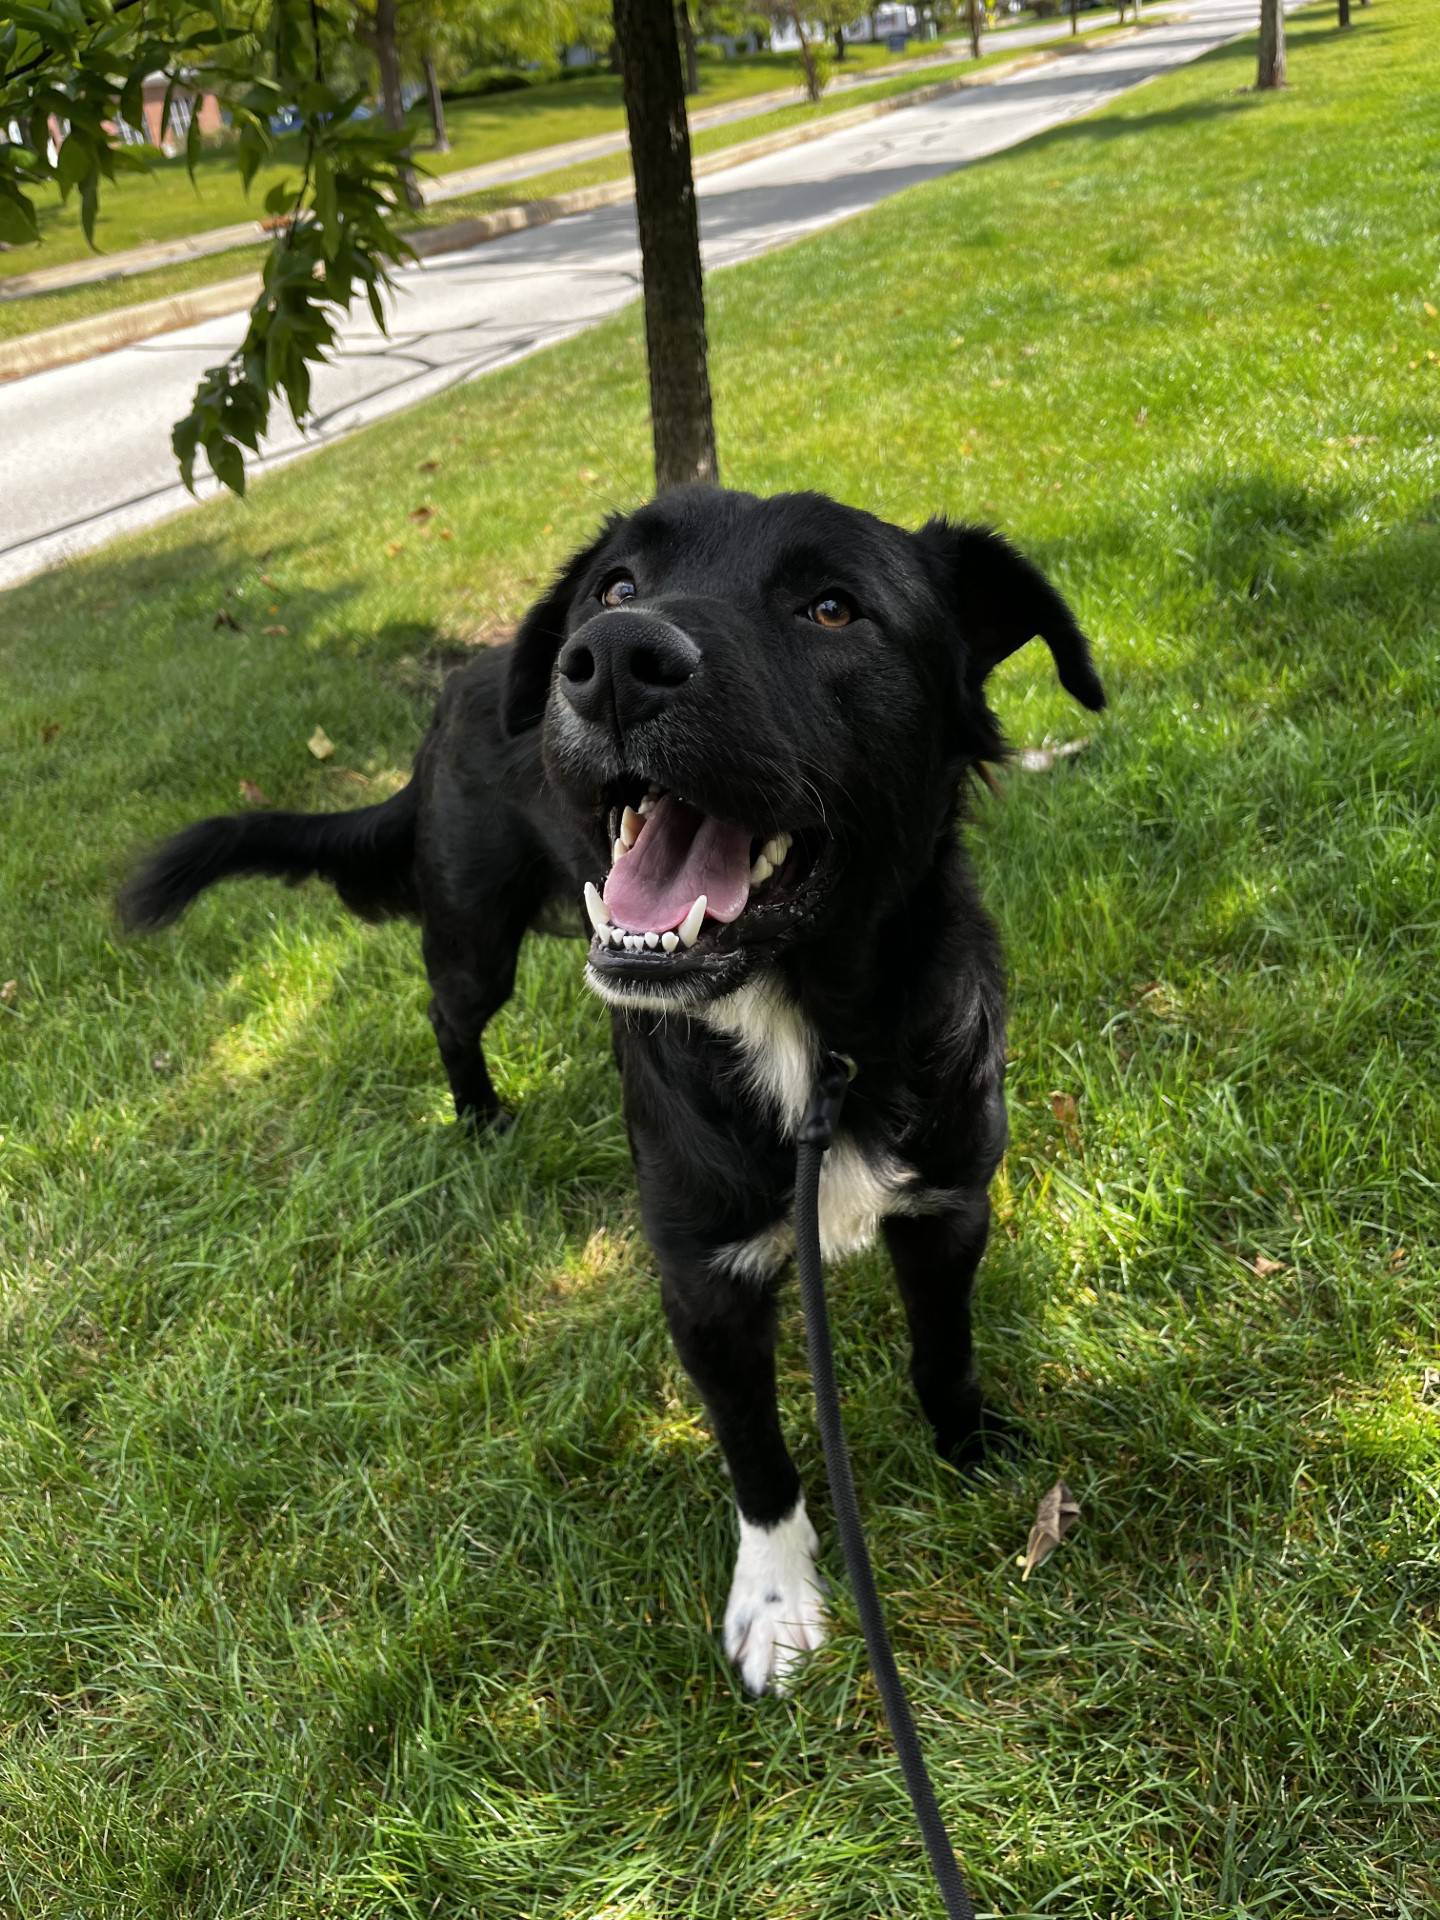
x: 85, y: 450
x: 93, y: 267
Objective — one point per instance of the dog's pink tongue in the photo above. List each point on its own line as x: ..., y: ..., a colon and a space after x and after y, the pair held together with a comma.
x: 679, y: 854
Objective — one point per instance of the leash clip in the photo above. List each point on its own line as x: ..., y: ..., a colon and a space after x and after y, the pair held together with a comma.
x: 836, y: 1072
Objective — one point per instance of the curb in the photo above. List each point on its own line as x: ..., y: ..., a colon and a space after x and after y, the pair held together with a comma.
x: 107, y: 332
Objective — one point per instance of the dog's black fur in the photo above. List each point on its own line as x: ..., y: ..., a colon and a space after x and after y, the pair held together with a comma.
x: 790, y: 666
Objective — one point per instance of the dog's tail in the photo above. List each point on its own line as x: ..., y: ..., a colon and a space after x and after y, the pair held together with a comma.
x: 368, y: 856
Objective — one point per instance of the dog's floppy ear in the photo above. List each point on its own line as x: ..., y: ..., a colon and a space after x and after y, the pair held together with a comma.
x: 1001, y: 600
x: 540, y: 636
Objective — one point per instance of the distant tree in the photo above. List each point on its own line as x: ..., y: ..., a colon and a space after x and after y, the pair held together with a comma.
x: 972, y: 14
x: 681, y: 421
x: 1344, y: 13
x: 1272, y: 45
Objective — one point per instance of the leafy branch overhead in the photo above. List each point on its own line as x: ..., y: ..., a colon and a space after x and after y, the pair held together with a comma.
x: 77, y: 68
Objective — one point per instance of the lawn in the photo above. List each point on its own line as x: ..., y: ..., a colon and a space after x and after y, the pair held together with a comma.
x: 363, y: 1542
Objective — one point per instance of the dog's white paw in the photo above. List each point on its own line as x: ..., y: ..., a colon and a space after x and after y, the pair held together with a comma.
x: 776, y: 1609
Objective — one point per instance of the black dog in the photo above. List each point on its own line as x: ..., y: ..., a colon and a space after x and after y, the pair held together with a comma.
x: 740, y: 728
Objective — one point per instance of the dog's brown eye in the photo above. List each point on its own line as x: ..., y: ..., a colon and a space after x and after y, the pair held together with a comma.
x: 830, y: 610
x: 617, y: 591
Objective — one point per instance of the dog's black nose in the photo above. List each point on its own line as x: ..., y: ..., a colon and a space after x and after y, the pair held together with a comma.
x: 625, y: 667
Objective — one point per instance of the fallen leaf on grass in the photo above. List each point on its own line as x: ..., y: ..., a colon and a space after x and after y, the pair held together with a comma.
x: 275, y: 633
x: 8, y: 993
x: 1066, y: 1110
x: 392, y: 547
x: 320, y: 744
x: 1054, y: 1517
x: 1042, y: 759
x: 428, y: 466
x: 1430, y: 1387
x: 1261, y: 1265
x: 421, y: 514
x: 224, y: 618
x: 252, y: 795
x: 50, y: 731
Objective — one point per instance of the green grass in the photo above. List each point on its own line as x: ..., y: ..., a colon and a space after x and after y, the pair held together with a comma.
x: 362, y: 1541
x: 163, y: 205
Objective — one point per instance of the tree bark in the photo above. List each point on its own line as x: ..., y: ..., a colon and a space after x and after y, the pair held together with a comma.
x: 386, y: 48
x: 687, y: 42
x: 1074, y: 17
x: 1344, y: 13
x: 973, y: 12
x: 681, y: 422
x: 441, y: 142
x: 812, y: 76
x: 1272, y: 46
x: 839, y: 43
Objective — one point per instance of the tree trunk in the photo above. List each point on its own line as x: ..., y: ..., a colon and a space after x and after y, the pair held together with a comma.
x: 812, y: 75
x: 441, y: 142
x: 687, y: 42
x: 973, y: 12
x: 1272, y: 46
x: 654, y: 86
x: 385, y: 47
x: 1344, y: 13
x: 1074, y: 17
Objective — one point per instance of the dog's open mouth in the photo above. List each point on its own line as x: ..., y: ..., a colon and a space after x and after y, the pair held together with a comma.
x: 686, y: 888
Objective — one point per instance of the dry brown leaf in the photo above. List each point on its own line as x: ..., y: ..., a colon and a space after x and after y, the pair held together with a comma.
x: 446, y: 534
x: 428, y: 466
x: 1042, y: 759
x: 1397, y: 1259
x: 1262, y: 1267
x: 1430, y: 1387
x: 392, y: 547
x: 1067, y: 1111
x: 252, y: 795
x: 224, y: 618
x: 1054, y: 1517
x: 49, y: 732
x: 421, y: 514
x: 320, y: 744
x: 8, y: 993
x: 275, y: 633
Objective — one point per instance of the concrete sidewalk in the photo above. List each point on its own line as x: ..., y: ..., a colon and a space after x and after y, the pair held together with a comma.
x: 524, y: 166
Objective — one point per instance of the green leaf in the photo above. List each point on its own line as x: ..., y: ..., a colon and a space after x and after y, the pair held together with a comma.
x: 18, y: 227
x: 228, y: 463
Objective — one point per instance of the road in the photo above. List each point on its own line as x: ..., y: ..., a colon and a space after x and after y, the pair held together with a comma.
x: 85, y: 450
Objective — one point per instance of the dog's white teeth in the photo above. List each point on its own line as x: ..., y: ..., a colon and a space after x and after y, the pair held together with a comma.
x: 619, y: 851
x: 689, y: 927
x: 595, y: 907
x: 630, y: 825
x: 614, y: 936
x: 775, y: 850
x: 652, y: 940
x: 761, y: 871
x: 647, y: 805
x: 669, y: 941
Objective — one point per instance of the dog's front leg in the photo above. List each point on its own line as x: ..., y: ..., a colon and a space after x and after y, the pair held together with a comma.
x: 935, y: 1257
x: 724, y: 1331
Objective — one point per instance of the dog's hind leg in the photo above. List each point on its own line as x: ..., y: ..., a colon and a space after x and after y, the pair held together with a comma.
x: 724, y: 1333
x: 469, y: 983
x: 935, y: 1257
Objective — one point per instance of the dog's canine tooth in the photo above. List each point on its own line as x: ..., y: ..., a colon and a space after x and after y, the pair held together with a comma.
x: 775, y: 850
x: 647, y: 805
x: 618, y: 851
x: 761, y: 871
x: 630, y: 825
x: 652, y: 940
x: 595, y: 907
x: 689, y: 927
x: 669, y: 941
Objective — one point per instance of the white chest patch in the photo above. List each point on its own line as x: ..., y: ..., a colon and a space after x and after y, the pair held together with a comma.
x: 779, y: 1049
